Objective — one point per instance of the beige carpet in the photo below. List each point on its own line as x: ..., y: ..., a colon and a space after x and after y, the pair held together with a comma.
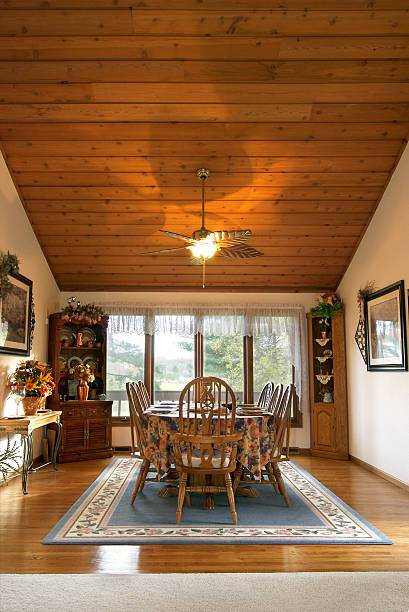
x: 306, y: 592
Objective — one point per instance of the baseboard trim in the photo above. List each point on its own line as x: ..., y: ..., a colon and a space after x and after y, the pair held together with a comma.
x: 296, y: 450
x: 384, y: 475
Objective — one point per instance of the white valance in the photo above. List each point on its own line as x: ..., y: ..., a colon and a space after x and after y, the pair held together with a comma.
x: 222, y: 320
x: 244, y: 320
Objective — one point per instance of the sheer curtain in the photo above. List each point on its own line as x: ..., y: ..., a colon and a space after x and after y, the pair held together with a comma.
x: 245, y: 320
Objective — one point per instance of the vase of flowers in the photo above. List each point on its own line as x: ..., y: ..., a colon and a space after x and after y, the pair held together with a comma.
x: 32, y: 381
x: 84, y: 375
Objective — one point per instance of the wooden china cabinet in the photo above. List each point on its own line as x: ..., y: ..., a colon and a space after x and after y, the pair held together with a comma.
x: 87, y: 425
x: 329, y: 424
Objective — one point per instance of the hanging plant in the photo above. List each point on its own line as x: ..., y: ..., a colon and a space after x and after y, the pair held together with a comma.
x: 363, y: 292
x: 86, y: 312
x: 9, y: 264
x: 360, y: 334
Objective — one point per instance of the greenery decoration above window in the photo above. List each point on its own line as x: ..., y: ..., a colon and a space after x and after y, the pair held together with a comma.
x: 84, y: 312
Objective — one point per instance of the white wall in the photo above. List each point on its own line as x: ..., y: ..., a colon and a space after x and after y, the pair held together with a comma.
x: 299, y: 437
x: 17, y: 236
x: 379, y: 401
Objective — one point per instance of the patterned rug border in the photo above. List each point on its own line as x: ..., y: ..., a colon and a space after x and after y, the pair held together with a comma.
x: 214, y: 535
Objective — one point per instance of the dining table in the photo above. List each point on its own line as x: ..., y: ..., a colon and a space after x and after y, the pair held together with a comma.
x: 254, y: 449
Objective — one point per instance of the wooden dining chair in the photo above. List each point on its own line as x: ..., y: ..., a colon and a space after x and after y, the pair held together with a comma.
x: 206, y: 443
x: 275, y: 397
x: 144, y: 395
x: 281, y: 446
x: 135, y: 450
x: 265, y: 395
x: 136, y: 409
x: 280, y: 451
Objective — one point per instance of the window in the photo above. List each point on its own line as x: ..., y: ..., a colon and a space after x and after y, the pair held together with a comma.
x: 271, y: 361
x: 125, y: 363
x: 223, y: 358
x: 176, y: 352
x: 174, y: 363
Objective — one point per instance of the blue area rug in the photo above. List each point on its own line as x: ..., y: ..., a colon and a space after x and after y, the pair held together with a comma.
x: 103, y: 515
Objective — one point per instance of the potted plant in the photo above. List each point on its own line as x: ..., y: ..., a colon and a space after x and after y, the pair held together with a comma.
x: 328, y: 305
x: 33, y: 382
x: 84, y: 375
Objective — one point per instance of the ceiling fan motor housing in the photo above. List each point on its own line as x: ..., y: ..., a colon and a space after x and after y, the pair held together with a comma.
x: 201, y: 233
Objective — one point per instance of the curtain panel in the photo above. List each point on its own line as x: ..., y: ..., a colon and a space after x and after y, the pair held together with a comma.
x: 225, y: 320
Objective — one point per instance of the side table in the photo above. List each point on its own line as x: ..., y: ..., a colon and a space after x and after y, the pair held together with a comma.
x: 25, y: 425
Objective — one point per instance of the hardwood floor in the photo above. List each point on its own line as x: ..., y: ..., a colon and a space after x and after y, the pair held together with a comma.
x: 25, y: 520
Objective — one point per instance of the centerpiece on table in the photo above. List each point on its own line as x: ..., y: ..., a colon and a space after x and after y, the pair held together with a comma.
x: 33, y: 382
x: 328, y: 305
x: 84, y: 375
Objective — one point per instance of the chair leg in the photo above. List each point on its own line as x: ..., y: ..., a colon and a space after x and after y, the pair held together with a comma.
x: 237, y: 476
x: 141, y: 475
x: 281, y: 484
x: 230, y: 496
x: 181, y: 496
x: 271, y: 477
x: 145, y: 473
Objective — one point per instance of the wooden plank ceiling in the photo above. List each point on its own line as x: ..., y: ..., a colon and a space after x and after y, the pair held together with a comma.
x: 107, y: 107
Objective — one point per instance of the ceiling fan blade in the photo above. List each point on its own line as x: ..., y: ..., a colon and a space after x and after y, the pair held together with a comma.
x: 242, y: 251
x: 237, y: 236
x: 178, y: 236
x: 164, y: 251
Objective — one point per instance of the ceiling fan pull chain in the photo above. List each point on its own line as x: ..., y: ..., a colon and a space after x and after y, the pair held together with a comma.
x: 204, y: 272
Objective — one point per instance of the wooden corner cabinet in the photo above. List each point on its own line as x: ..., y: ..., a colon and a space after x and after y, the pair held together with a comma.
x: 329, y: 418
x: 87, y: 425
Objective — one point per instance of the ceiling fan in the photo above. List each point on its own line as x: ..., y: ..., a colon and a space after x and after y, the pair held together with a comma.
x: 205, y: 244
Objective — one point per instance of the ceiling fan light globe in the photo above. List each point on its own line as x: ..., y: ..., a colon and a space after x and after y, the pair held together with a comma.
x: 204, y: 249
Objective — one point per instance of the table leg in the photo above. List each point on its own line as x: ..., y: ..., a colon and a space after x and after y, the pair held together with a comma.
x: 57, y: 446
x: 27, y: 460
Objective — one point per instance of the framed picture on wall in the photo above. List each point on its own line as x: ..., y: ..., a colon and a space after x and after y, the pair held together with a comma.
x: 386, y: 329
x: 15, y: 315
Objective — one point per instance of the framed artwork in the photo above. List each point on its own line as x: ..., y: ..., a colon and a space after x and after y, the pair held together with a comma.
x: 386, y: 329
x: 16, y: 316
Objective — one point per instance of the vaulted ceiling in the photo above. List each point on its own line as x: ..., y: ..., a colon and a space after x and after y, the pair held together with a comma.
x: 107, y: 108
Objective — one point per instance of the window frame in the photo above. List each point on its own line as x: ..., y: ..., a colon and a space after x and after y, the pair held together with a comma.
x: 198, y: 348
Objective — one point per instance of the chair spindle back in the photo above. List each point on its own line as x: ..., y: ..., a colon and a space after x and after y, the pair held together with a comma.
x: 282, y: 422
x: 265, y: 395
x: 203, y: 407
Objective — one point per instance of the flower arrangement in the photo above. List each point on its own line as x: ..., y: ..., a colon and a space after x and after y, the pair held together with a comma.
x: 328, y: 305
x: 31, y: 379
x: 87, y: 312
x: 82, y: 372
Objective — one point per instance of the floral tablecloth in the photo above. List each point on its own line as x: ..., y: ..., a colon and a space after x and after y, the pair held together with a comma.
x: 253, y: 450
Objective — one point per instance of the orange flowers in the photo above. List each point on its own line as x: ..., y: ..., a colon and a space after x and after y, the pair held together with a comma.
x: 31, y: 378
x: 82, y: 372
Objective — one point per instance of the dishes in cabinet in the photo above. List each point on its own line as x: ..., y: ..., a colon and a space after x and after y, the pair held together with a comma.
x: 327, y: 353
x: 74, y: 361
x: 91, y: 361
x: 67, y: 336
x: 88, y: 336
